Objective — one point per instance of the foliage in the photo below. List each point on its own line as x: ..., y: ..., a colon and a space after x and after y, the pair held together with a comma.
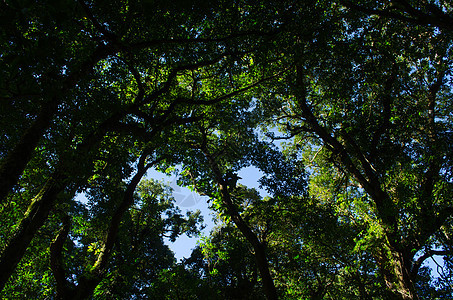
x: 343, y: 106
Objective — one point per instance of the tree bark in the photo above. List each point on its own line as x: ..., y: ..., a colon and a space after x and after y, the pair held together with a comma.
x: 396, y: 273
x: 33, y: 219
x: 56, y: 260
x: 394, y: 265
x: 17, y: 159
x: 258, y: 246
x: 88, y: 282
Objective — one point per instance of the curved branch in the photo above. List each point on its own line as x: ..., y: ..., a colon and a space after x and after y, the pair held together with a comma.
x: 430, y: 253
x: 244, y: 228
x: 89, y: 280
x: 435, y: 17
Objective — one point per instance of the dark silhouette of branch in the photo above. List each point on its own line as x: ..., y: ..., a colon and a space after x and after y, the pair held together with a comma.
x: 433, y: 16
x: 430, y: 253
x: 56, y: 260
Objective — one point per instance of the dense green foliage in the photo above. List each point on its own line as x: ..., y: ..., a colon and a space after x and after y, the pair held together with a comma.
x: 344, y: 107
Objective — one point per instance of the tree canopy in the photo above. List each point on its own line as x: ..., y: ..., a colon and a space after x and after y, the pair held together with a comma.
x: 345, y: 108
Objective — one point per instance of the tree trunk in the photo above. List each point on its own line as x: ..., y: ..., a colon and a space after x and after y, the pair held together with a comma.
x: 33, y: 219
x: 16, y: 160
x: 56, y: 259
x: 258, y: 247
x: 88, y: 282
x: 263, y: 267
x: 396, y: 273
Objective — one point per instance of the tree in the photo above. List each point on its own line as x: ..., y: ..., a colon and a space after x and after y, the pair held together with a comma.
x: 94, y: 93
x: 227, y: 262
x: 217, y: 148
x: 425, y: 13
x: 375, y: 99
x: 123, y: 84
x: 139, y: 255
x: 211, y: 150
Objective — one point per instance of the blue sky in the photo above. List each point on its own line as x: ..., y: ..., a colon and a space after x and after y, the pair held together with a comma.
x: 189, y: 200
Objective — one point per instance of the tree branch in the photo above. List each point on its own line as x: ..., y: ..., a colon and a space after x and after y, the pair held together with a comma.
x: 387, y: 102
x: 244, y: 228
x: 56, y: 260
x: 109, y: 35
x: 89, y: 280
x: 430, y: 253
x: 371, y: 184
x: 435, y: 17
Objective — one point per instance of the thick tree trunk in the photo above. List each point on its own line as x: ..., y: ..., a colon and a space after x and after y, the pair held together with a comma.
x: 263, y: 267
x: 33, y: 219
x: 56, y: 259
x: 396, y: 273
x: 16, y: 160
